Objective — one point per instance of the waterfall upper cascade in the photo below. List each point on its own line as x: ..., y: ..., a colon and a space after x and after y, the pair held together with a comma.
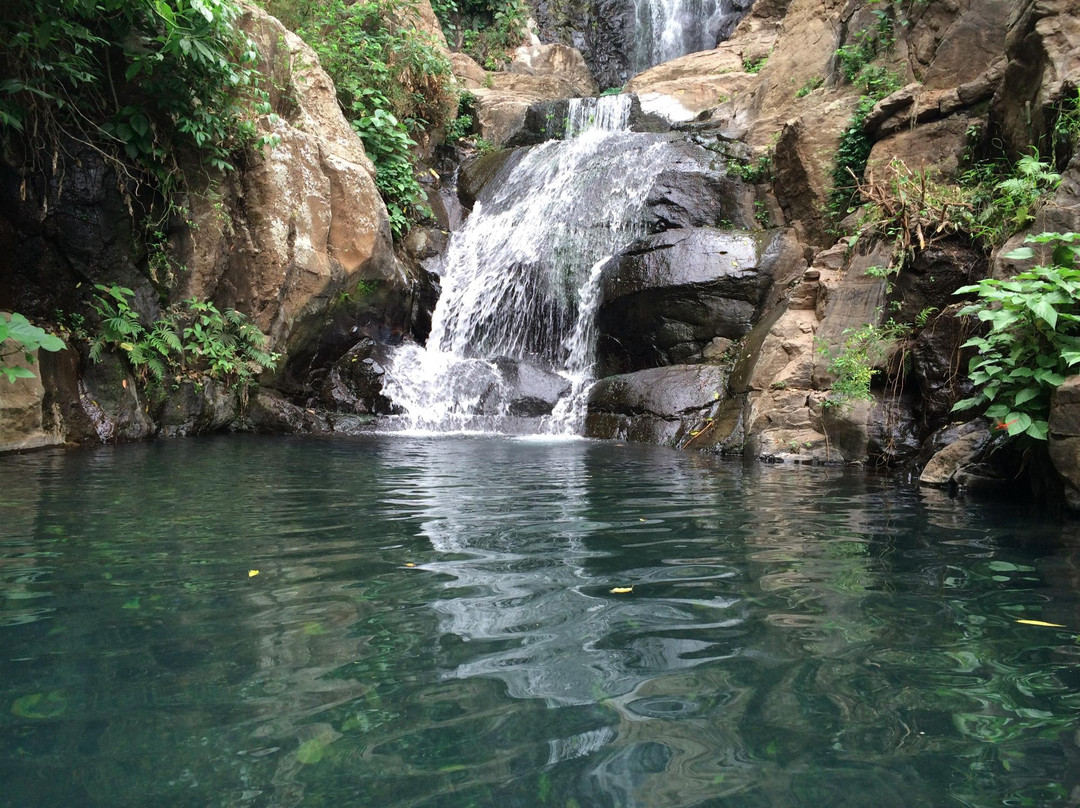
x: 512, y: 331
x: 667, y: 29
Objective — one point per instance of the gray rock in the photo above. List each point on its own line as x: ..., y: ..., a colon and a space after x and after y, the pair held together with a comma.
x: 957, y: 455
x: 1064, y: 443
x: 668, y: 297
x: 198, y: 408
x: 660, y: 405
x: 529, y: 391
x: 695, y: 191
x: 355, y: 382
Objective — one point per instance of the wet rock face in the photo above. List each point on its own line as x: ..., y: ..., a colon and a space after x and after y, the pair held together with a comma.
x: 660, y: 405
x: 670, y: 296
x: 1064, y: 443
x: 695, y: 191
x: 354, y: 383
x: 529, y: 391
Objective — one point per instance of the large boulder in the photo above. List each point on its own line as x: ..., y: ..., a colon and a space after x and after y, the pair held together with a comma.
x: 666, y: 406
x: 22, y: 421
x: 670, y: 296
x: 1065, y: 437
x: 303, y: 224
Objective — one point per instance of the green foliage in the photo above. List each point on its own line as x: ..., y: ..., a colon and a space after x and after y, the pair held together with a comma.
x: 1033, y: 339
x: 754, y: 65
x: 1066, y: 132
x: 190, y: 339
x: 487, y: 30
x: 136, y: 80
x: 392, y: 80
x: 865, y: 45
x: 1005, y: 199
x: 855, y: 364
x: 854, y: 149
x: 27, y: 338
x: 809, y: 87
x: 462, y: 126
x: 759, y: 169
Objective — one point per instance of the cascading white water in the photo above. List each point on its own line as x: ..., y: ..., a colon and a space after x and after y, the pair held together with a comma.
x: 667, y: 29
x: 521, y: 279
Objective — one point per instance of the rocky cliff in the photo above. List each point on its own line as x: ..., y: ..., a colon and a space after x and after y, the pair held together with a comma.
x: 297, y: 239
x: 719, y: 329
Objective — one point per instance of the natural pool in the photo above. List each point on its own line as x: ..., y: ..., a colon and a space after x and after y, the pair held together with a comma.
x: 433, y: 624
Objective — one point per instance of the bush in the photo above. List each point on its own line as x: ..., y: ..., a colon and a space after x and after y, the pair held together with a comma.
x: 190, y: 339
x: 1033, y: 339
x: 139, y: 81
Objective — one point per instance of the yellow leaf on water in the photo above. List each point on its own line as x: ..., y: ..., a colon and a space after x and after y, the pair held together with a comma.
x: 252, y: 573
x: 409, y: 564
x: 1040, y: 623
x: 621, y: 590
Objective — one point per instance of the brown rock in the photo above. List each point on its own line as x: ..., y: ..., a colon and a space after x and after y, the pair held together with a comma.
x: 944, y: 465
x: 1065, y: 409
x: 936, y: 147
x: 304, y: 222
x: 21, y: 418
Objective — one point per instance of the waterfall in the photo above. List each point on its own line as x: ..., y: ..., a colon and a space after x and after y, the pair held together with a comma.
x: 521, y: 281
x: 667, y: 29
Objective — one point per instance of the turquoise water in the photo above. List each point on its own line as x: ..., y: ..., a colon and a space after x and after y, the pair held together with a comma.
x: 433, y: 624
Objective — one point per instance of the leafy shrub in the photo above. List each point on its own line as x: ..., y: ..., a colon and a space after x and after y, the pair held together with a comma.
x: 865, y: 45
x: 28, y: 338
x: 1033, y: 339
x: 754, y: 66
x: 136, y: 80
x: 1005, y: 199
x: 191, y: 338
x: 487, y: 30
x: 855, y: 364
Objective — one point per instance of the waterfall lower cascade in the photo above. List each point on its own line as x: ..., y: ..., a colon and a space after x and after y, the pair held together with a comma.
x: 512, y: 333
x: 667, y: 29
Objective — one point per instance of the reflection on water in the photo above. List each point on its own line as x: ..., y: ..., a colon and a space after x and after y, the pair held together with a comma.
x: 432, y: 623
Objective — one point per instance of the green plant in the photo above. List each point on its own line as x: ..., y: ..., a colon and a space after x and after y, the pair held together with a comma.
x: 809, y: 87
x: 611, y: 91
x: 1033, y: 339
x: 755, y: 170
x: 1007, y: 204
x: 1066, y: 132
x: 865, y: 45
x: 754, y: 65
x: 761, y: 214
x: 190, y: 339
x: 27, y: 338
x: 855, y: 363
x: 138, y: 82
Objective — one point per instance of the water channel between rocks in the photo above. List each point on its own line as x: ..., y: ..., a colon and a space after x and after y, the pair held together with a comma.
x: 391, y: 621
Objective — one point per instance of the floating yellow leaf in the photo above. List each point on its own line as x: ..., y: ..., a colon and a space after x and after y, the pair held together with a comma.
x: 252, y: 573
x: 409, y: 564
x: 1040, y: 623
x: 621, y: 590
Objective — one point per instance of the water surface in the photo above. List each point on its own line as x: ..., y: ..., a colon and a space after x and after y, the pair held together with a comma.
x: 432, y: 623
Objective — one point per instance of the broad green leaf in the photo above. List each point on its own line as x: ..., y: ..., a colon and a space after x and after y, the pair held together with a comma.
x: 1019, y: 254
x: 1042, y: 309
x: 1026, y: 394
x: 1017, y: 422
x: 997, y: 411
x: 1038, y: 430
